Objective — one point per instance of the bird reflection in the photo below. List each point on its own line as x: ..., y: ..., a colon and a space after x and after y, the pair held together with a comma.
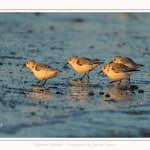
x: 78, y: 82
x: 120, y: 93
x: 116, y: 96
x: 39, y: 92
x: 79, y: 90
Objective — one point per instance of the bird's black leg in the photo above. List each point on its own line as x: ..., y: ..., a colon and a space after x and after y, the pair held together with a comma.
x: 44, y: 82
x: 119, y: 82
x: 38, y: 82
x: 88, y: 75
x: 129, y: 79
x: 83, y: 76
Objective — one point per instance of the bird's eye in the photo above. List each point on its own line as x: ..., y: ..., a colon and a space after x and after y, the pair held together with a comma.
x: 70, y: 59
x: 114, y: 59
x: 27, y: 62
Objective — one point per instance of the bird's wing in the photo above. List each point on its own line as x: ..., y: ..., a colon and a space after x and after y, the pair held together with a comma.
x: 82, y: 61
x: 126, y: 60
x: 122, y: 68
x: 44, y: 67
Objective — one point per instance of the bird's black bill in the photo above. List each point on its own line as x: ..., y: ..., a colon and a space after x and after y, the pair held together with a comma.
x: 111, y: 62
x: 66, y: 64
x: 100, y: 72
x: 24, y: 66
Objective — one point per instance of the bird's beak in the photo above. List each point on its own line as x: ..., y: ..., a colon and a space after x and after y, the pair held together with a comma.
x: 66, y: 64
x: 24, y: 66
x: 100, y: 72
x: 111, y: 62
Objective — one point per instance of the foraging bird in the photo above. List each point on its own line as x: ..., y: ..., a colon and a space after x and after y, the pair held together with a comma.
x: 41, y: 71
x: 83, y: 65
x: 117, y: 71
x: 126, y: 61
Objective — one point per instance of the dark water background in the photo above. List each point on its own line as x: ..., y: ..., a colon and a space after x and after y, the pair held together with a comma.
x: 65, y: 107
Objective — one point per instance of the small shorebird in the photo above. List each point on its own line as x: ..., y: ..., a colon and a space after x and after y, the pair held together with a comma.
x: 117, y: 71
x: 83, y: 65
x: 41, y: 71
x: 126, y: 61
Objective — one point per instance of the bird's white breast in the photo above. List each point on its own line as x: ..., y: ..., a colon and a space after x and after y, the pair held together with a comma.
x: 117, y: 76
x: 43, y: 74
x: 85, y: 68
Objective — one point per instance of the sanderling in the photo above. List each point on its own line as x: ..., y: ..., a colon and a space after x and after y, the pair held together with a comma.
x: 82, y: 64
x: 126, y: 61
x: 41, y: 71
x: 117, y: 71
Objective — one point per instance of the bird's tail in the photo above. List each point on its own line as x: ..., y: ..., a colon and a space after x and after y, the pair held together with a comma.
x: 132, y: 70
x: 59, y: 71
x: 99, y: 63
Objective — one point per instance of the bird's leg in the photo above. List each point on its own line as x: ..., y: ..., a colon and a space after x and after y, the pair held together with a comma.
x: 129, y: 79
x: 88, y: 75
x: 38, y: 82
x: 83, y: 76
x: 119, y: 82
x: 44, y: 82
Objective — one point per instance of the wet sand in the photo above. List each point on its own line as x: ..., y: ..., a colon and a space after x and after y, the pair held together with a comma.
x: 66, y: 107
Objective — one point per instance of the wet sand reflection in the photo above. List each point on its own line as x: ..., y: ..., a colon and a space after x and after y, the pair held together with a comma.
x: 39, y: 92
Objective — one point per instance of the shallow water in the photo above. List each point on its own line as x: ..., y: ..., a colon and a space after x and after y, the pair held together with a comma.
x: 66, y: 107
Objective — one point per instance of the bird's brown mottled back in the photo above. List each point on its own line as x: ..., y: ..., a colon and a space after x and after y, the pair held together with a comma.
x: 45, y: 67
x: 83, y: 61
